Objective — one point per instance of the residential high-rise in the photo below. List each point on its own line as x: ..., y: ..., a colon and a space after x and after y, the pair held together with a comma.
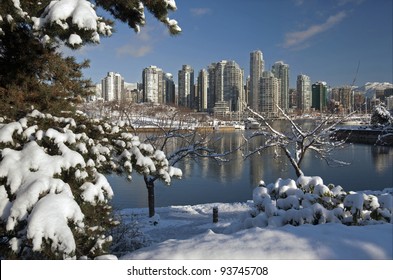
x: 270, y: 94
x: 186, y: 87
x: 256, y: 70
x: 211, y: 90
x: 219, y: 80
x: 347, y: 98
x: 228, y: 85
x: 303, y: 87
x: 292, y: 98
x: 319, y: 96
x: 234, y: 86
x: 203, y: 83
x: 281, y: 71
x: 112, y: 87
x: 170, y: 94
x: 153, y: 84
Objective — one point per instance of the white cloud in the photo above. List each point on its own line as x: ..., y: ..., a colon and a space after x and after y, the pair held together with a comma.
x: 134, y: 51
x: 200, y: 11
x: 299, y: 2
x: 144, y: 34
x: 141, y: 45
x: 82, y: 51
x: 344, y: 2
x: 296, y: 38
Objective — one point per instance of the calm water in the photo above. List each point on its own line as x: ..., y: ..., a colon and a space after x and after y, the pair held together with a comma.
x: 205, y: 181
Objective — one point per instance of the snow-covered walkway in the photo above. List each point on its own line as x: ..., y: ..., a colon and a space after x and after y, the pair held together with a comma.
x: 184, y: 222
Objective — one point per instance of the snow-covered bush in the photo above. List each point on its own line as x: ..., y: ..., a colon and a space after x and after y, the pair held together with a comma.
x: 54, y: 197
x: 308, y: 201
x: 381, y: 116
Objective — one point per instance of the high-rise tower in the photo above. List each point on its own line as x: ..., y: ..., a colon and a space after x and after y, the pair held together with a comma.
x: 234, y: 86
x: 270, y: 94
x: 170, y: 94
x: 112, y: 87
x: 281, y: 71
x: 256, y: 70
x: 153, y: 84
x: 211, y: 90
x: 319, y: 96
x: 186, y: 86
x: 226, y: 79
x: 303, y: 87
x: 203, y: 83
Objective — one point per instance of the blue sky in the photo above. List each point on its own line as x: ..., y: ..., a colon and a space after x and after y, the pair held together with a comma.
x: 324, y: 39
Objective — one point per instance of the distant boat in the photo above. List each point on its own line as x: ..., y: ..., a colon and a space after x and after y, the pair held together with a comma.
x: 240, y: 126
x: 251, y: 123
x: 355, y: 121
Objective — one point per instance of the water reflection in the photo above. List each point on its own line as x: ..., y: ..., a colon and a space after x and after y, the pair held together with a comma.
x: 382, y: 158
x: 206, y: 180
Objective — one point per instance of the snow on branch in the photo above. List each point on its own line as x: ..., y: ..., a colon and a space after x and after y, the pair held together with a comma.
x: 300, y: 140
x: 308, y: 200
x: 50, y: 220
x: 53, y: 168
x: 75, y: 22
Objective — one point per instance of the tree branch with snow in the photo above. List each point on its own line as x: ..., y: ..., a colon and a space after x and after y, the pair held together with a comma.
x: 296, y: 144
x: 48, y: 160
x: 75, y: 22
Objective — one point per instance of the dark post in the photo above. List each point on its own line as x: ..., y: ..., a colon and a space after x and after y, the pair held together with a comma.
x: 215, y: 214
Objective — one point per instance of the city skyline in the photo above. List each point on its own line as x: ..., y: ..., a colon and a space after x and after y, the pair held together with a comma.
x: 325, y: 40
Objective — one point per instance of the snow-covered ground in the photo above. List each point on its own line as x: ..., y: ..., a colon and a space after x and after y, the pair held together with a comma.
x: 188, y: 232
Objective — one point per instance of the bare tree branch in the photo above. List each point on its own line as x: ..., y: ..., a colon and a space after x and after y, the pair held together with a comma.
x: 317, y: 139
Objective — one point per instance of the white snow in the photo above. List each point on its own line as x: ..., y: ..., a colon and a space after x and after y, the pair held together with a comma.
x: 49, y: 220
x: 59, y: 137
x: 7, y: 131
x: 282, y: 222
x: 75, y: 39
x: 171, y: 4
x: 34, y: 179
x: 81, y: 13
x: 96, y: 191
x: 261, y: 229
x: 58, y: 11
x: 354, y: 201
x: 175, y: 172
x: 187, y: 232
x: 5, y: 204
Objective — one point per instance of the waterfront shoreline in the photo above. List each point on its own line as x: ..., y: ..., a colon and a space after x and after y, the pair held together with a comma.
x: 365, y: 135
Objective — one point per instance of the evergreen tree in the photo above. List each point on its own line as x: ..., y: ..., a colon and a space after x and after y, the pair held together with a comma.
x: 32, y: 71
x: 54, y: 198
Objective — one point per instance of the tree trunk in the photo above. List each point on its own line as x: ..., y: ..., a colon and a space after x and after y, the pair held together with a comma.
x: 293, y: 162
x: 150, y: 193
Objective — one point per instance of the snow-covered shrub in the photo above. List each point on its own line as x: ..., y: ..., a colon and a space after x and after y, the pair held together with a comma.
x: 308, y: 201
x: 381, y: 116
x: 54, y: 197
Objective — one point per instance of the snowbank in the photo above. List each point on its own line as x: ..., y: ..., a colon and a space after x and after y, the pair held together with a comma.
x: 288, y: 219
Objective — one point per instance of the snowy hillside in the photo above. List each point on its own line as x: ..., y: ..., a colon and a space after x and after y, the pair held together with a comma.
x: 370, y: 88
